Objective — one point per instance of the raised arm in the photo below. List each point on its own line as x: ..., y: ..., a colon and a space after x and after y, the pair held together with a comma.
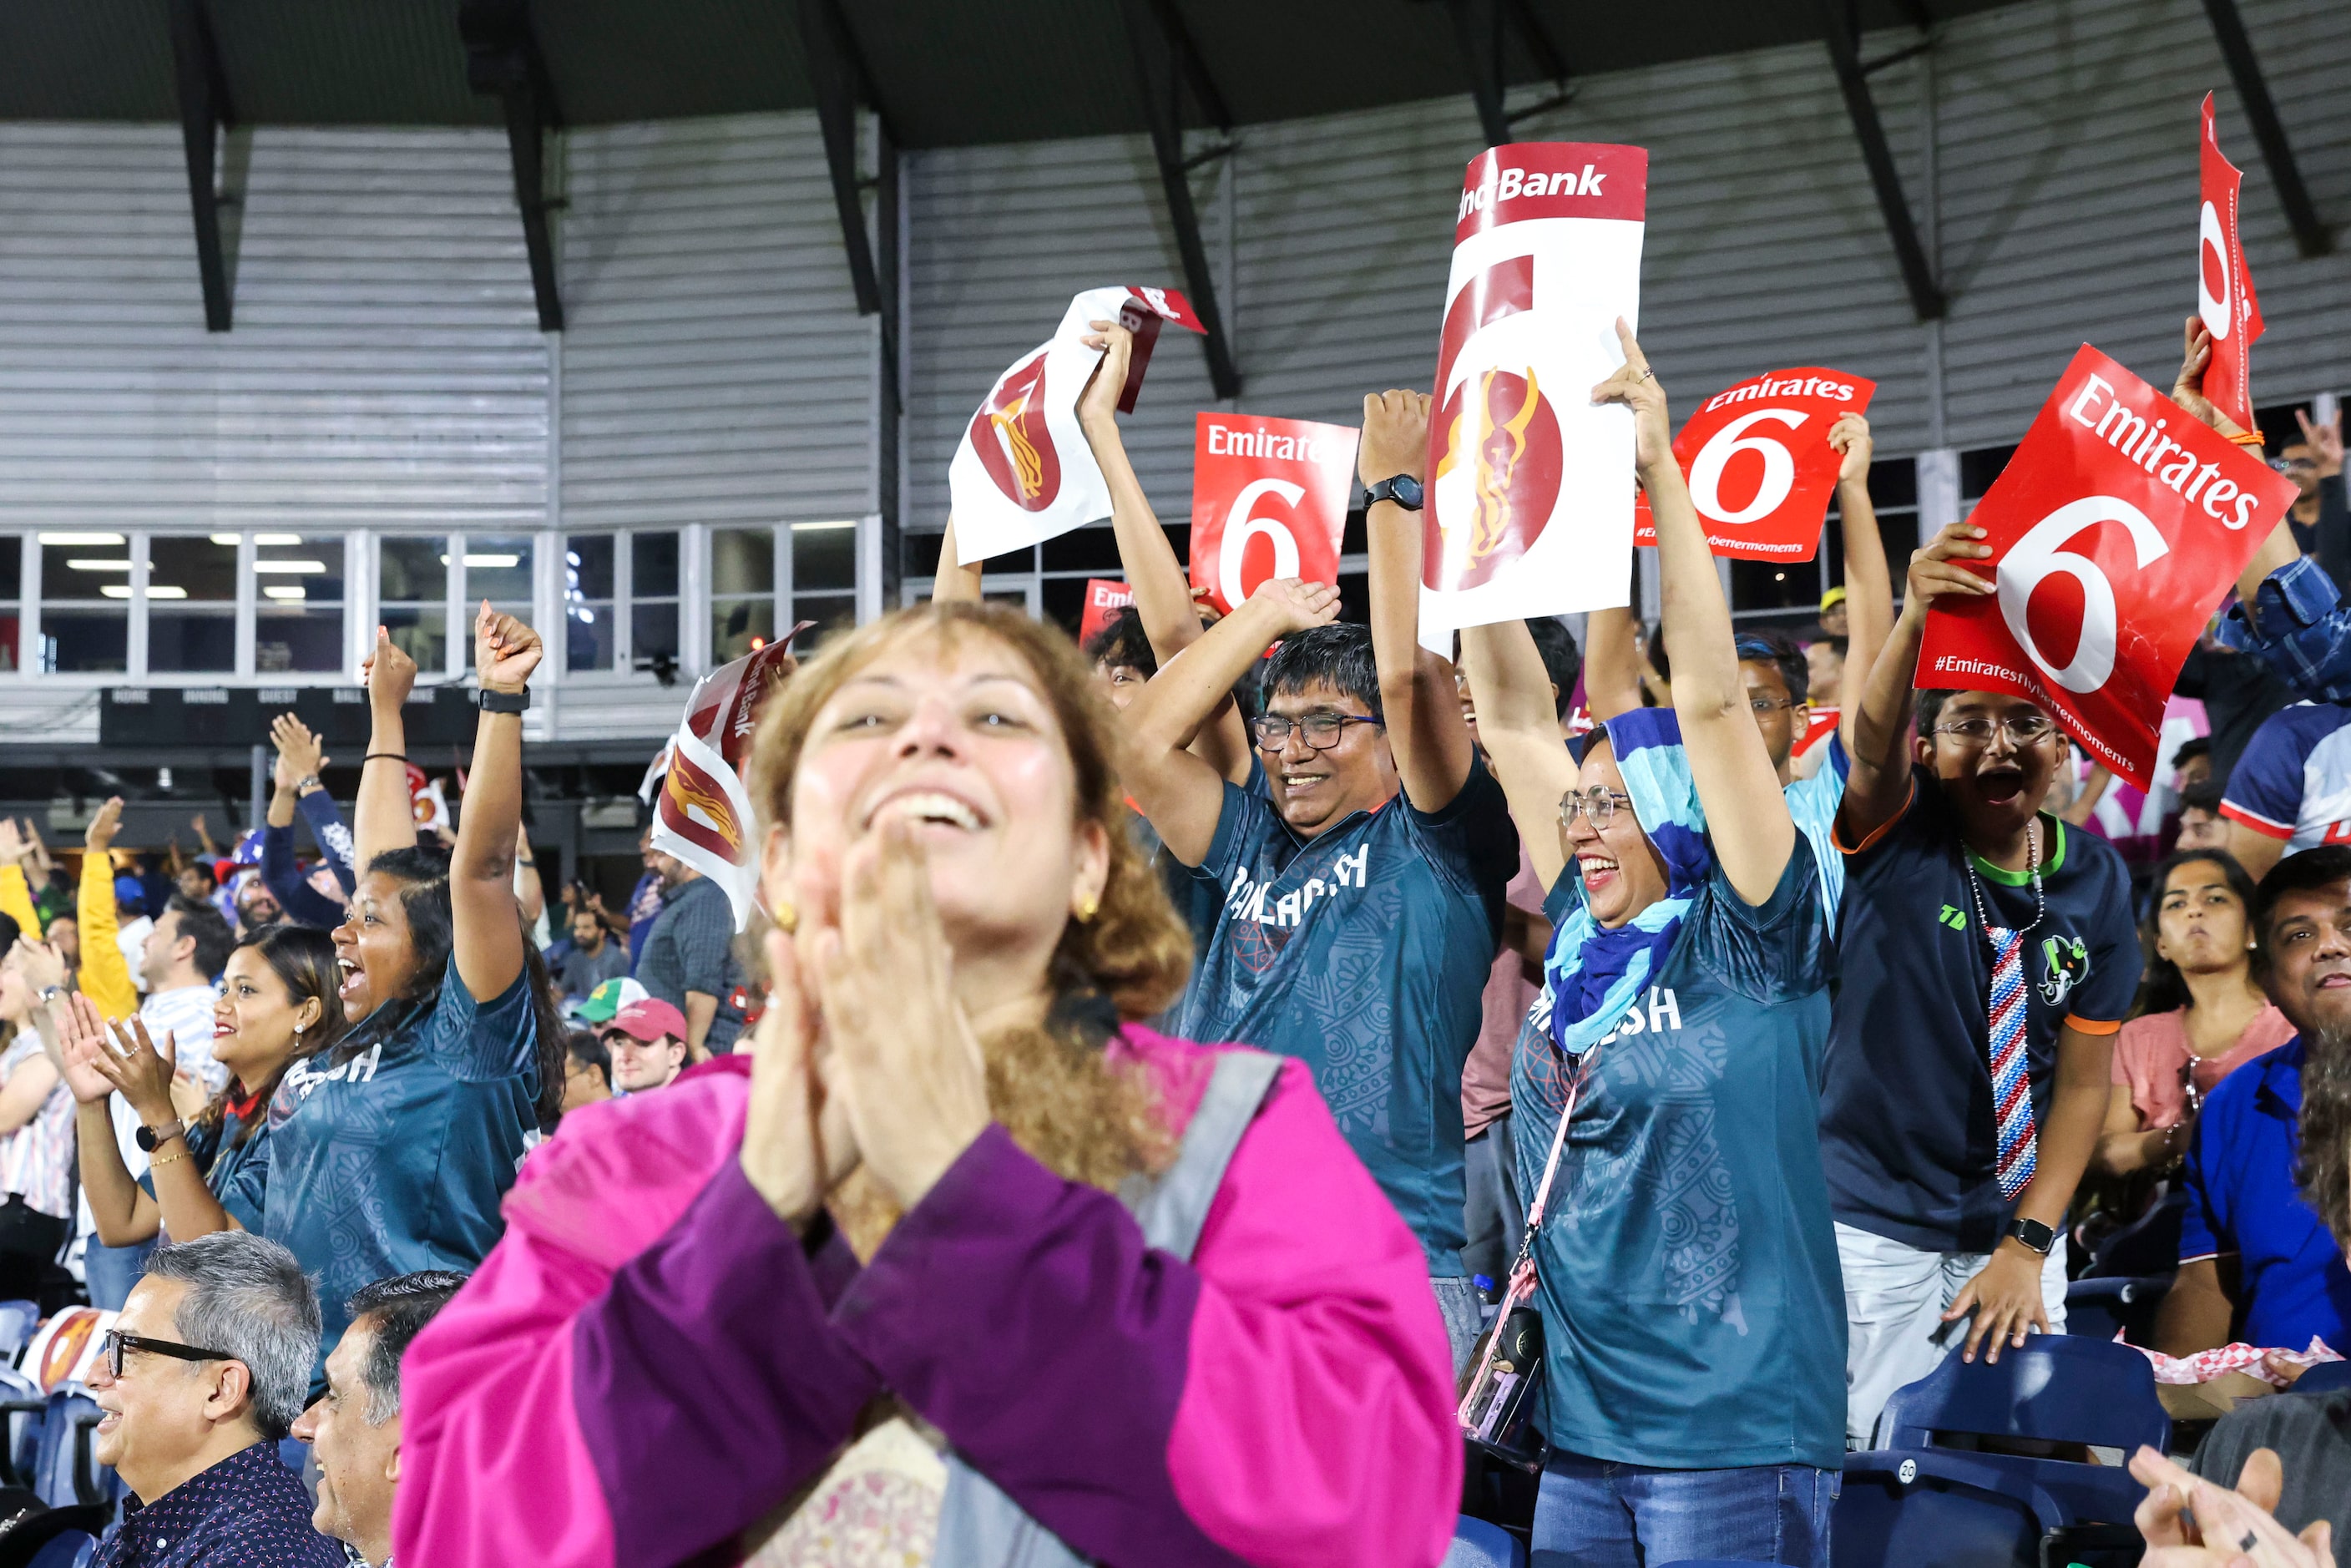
x: 1746, y: 813
x: 1879, y: 785
x: 1611, y: 664
x: 1519, y: 726
x: 1181, y: 795
x: 481, y: 906
x: 105, y: 977
x: 954, y: 582
x: 1868, y: 584
x: 384, y: 818
x: 1426, y: 734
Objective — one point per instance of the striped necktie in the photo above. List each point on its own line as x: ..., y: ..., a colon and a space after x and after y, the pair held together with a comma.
x: 2011, y: 1085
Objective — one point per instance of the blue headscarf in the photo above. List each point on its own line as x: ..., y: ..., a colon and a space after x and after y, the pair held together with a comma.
x: 1592, y: 974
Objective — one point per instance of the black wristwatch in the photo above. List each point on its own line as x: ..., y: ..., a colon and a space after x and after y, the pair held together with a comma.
x: 2033, y: 1234
x: 153, y: 1139
x: 503, y: 702
x: 1403, y: 490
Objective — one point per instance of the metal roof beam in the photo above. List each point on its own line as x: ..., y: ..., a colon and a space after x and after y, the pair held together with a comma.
x: 2309, y: 235
x: 838, y: 75
x: 1478, y: 27
x: 502, y: 62
x: 204, y: 112
x: 1206, y: 96
x: 1852, y: 79
x: 1158, y: 62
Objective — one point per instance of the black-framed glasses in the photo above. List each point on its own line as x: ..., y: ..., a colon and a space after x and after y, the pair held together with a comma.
x: 114, y: 1342
x: 1322, y: 730
x: 1597, y: 803
x: 2023, y: 729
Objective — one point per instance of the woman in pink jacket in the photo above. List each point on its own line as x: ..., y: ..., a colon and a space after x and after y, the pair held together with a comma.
x: 959, y: 1264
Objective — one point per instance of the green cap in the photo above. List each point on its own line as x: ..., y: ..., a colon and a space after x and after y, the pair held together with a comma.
x: 609, y: 998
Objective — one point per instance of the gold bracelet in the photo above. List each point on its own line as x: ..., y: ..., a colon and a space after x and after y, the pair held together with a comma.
x: 166, y: 1159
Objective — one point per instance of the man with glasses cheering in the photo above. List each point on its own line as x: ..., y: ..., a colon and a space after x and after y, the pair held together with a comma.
x: 202, y: 1375
x: 1988, y: 957
x: 1351, y: 928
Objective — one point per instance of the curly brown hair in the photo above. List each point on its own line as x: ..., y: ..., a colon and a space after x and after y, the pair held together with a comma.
x: 1049, y: 1084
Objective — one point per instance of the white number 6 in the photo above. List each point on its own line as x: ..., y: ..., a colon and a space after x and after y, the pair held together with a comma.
x: 1240, y: 527
x: 1779, y: 467
x: 2039, y: 556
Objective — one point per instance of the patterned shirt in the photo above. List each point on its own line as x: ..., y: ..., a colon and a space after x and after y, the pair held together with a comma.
x: 692, y: 949
x: 2302, y: 634
x: 247, y: 1511
x: 37, y: 1160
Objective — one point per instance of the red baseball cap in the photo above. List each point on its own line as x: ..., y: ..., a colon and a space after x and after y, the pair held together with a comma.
x: 647, y: 1021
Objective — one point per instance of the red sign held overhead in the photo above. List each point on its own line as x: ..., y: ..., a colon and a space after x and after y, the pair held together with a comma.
x: 1105, y: 597
x: 1759, y: 466
x: 2224, y: 285
x: 2115, y: 530
x: 1268, y: 499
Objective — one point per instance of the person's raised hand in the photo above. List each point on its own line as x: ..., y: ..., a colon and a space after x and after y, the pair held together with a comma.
x: 13, y: 847
x: 2189, y: 1522
x: 1099, y: 400
x: 140, y: 1070
x: 2324, y: 441
x: 98, y: 836
x: 906, y: 1059
x: 1850, y: 435
x: 1396, y: 436
x: 40, y: 963
x: 1205, y: 607
x: 2187, y: 387
x: 1934, y: 571
x: 506, y: 650
x: 297, y: 748
x: 1289, y: 605
x: 2005, y: 1296
x: 1635, y: 385
x: 388, y: 672
x: 82, y: 1047
x: 798, y: 1145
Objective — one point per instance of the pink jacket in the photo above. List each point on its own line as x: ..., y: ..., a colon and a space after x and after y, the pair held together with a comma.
x: 650, y: 1360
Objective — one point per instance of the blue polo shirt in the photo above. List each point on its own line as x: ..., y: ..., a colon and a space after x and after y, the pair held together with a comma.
x: 2245, y: 1202
x: 1362, y: 952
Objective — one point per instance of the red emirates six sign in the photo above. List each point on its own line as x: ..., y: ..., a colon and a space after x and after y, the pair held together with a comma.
x: 1759, y: 466
x: 2115, y: 530
x: 2224, y: 287
x: 1268, y: 499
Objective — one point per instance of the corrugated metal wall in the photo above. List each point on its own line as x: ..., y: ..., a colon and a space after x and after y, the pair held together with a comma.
x: 2063, y: 176
x: 386, y: 367
x: 714, y: 367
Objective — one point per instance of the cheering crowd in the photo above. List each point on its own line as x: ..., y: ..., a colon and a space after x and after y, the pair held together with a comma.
x: 1171, y: 1082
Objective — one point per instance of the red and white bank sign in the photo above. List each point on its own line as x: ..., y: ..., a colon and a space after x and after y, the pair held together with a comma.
x: 1268, y: 499
x: 2115, y: 530
x: 1105, y: 597
x: 1759, y: 466
x: 2224, y: 287
x: 1530, y: 506
x: 704, y: 815
x: 1023, y: 472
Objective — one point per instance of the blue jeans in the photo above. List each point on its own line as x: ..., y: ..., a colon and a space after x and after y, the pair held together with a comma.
x: 1592, y: 1513
x: 1464, y: 1316
x: 108, y: 1272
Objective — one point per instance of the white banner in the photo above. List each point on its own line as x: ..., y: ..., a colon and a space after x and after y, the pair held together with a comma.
x: 1531, y: 489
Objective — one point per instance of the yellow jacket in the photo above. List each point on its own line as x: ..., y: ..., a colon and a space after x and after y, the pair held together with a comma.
x: 105, y: 977
x: 17, y: 902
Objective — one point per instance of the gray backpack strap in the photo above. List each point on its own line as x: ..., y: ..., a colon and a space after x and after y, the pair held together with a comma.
x: 1172, y: 1209
x: 979, y: 1526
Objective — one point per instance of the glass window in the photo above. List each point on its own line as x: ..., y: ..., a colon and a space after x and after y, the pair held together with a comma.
x: 653, y: 635
x: 652, y: 566
x: 588, y: 623
x: 299, y: 603
x: 832, y: 614
x: 742, y: 592
x: 497, y: 569
x: 12, y: 575
x: 86, y: 603
x: 192, y: 604
x: 412, y: 583
x: 824, y: 558
x: 653, y: 640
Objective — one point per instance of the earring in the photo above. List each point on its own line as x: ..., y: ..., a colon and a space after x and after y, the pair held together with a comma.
x: 787, y: 918
x: 1085, y: 908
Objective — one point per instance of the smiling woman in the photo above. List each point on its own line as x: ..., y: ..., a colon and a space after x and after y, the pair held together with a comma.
x: 1139, y: 1294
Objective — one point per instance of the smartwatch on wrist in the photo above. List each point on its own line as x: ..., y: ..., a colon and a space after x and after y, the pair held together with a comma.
x: 153, y: 1139
x: 1403, y: 490
x: 503, y: 702
x: 2033, y: 1234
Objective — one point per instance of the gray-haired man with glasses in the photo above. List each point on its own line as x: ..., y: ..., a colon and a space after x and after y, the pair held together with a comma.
x: 203, y: 1372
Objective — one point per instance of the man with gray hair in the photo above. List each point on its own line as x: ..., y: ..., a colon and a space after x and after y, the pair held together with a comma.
x: 354, y: 1430
x: 202, y: 1372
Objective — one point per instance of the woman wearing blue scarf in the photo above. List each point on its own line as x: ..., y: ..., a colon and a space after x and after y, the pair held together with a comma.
x: 1686, y: 1271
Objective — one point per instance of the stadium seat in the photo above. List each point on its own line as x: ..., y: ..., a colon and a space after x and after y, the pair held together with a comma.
x: 64, y: 1473
x: 2102, y: 1307
x: 1717, y: 1562
x: 1933, y: 1495
x: 23, y: 1407
x: 2326, y: 1377
x: 66, y: 1549
x: 18, y: 1321
x: 1477, y: 1544
x: 2148, y: 1245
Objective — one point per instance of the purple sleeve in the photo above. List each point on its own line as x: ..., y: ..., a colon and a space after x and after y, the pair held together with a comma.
x: 706, y: 1381
x: 318, y: 809
x: 1024, y: 1317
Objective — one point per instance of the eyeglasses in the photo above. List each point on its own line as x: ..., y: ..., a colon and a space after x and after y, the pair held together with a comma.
x: 1597, y: 803
x: 114, y: 1342
x: 1322, y: 730
x: 2021, y: 729
x: 2288, y: 465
